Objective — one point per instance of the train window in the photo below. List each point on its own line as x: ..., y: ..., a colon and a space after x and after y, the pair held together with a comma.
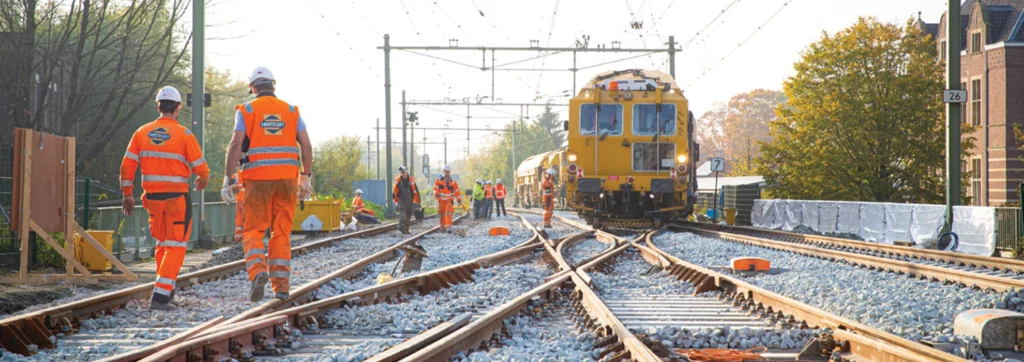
x: 608, y: 120
x: 645, y: 119
x: 645, y: 156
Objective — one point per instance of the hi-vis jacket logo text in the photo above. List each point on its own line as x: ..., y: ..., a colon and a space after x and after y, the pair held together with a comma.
x: 158, y: 137
x: 272, y: 125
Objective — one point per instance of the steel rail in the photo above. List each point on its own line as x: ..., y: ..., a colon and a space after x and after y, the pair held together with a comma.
x: 255, y: 335
x: 311, y: 314
x: 988, y: 262
x: 563, y: 247
x: 967, y: 278
x: 873, y: 344
x: 37, y: 328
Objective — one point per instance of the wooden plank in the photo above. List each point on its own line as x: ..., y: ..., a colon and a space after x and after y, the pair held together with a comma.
x: 69, y: 198
x: 106, y: 254
x: 24, y: 204
x: 49, y: 279
x: 60, y: 250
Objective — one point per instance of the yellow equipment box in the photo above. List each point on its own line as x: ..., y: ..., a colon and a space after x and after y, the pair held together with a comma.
x: 91, y: 258
x: 317, y: 216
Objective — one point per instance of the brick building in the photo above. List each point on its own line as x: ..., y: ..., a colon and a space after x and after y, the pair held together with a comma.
x: 992, y: 72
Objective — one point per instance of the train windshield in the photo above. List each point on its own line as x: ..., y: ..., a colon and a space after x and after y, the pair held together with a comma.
x: 646, y: 156
x: 646, y: 119
x: 607, y: 121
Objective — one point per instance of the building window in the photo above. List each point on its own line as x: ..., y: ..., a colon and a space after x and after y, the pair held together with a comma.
x: 976, y: 42
x: 963, y: 109
x: 976, y: 102
x: 976, y: 182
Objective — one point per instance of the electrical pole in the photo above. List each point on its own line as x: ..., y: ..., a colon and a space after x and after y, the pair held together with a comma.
x: 953, y: 110
x: 377, y: 146
x: 387, y: 118
x: 198, y: 92
x: 404, y: 120
x: 445, y: 150
x: 367, y: 154
x: 467, y: 129
x: 412, y: 143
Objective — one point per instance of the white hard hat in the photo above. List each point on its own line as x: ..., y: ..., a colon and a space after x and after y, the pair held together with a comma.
x: 479, y: 181
x: 551, y: 171
x: 168, y: 93
x: 402, y: 169
x: 359, y: 191
x: 261, y: 73
x: 488, y: 182
x: 498, y: 181
x: 447, y: 168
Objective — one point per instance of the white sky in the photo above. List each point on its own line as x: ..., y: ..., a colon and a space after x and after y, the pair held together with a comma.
x: 325, y: 57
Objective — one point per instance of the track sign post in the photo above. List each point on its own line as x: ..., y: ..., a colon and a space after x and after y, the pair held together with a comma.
x: 717, y: 165
x: 954, y: 96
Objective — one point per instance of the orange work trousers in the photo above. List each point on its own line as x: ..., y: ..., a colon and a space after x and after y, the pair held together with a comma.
x: 269, y: 204
x: 549, y: 208
x: 170, y: 222
x: 239, y: 216
x: 445, y: 210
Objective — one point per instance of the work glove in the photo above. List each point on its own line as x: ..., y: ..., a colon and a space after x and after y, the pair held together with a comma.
x: 305, y: 187
x: 225, y: 190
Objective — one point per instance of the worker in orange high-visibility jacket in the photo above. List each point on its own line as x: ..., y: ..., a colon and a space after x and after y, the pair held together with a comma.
x: 548, y: 189
x: 168, y: 154
x: 499, y: 198
x: 272, y: 135
x: 359, y: 206
x: 446, y: 190
x: 405, y: 196
x: 239, y: 190
x: 488, y: 198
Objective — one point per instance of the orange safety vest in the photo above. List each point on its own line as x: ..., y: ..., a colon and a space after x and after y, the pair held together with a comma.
x: 488, y: 193
x: 549, y: 188
x: 357, y: 203
x: 412, y: 185
x: 271, y: 126
x: 444, y: 190
x: 168, y: 154
x: 499, y: 191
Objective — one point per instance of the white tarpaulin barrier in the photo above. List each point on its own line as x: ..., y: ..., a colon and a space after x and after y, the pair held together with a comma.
x: 927, y: 222
x: 794, y: 215
x: 768, y: 214
x: 849, y: 218
x: 812, y: 215
x: 828, y: 217
x: 898, y: 219
x: 872, y: 222
x: 755, y: 213
x: 976, y: 227
x: 779, y: 208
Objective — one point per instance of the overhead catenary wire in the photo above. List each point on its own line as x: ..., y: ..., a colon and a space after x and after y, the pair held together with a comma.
x: 547, y: 43
x: 638, y: 32
x: 345, y: 43
x: 420, y: 36
x: 481, y: 12
x: 785, y: 4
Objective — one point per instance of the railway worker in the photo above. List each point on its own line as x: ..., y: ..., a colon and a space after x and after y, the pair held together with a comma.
x: 168, y: 154
x: 488, y: 198
x: 445, y: 189
x: 548, y: 188
x: 405, y: 196
x: 273, y: 136
x: 360, y: 212
x: 478, y: 198
x: 499, y: 198
x: 239, y: 190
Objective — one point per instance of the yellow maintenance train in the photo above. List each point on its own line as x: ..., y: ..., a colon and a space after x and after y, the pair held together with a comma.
x: 631, y: 151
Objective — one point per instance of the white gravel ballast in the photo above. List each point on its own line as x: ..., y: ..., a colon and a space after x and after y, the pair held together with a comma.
x: 908, y: 307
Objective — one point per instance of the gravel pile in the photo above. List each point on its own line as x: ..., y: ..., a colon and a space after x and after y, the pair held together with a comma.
x: 623, y: 284
x: 558, y: 229
x: 136, y: 325
x: 583, y: 250
x: 550, y: 335
x: 911, y: 308
x: 413, y: 314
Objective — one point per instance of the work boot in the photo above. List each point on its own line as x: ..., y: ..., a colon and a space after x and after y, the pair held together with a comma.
x: 258, y: 284
x: 160, y: 306
x: 547, y: 226
x: 281, y: 295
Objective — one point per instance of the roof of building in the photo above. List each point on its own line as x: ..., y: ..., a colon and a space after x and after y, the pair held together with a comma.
x: 1005, y: 19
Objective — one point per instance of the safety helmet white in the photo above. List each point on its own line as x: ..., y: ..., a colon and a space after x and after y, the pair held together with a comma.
x: 168, y: 93
x: 498, y: 181
x: 551, y: 171
x: 261, y: 73
x: 479, y: 181
x: 359, y: 191
x: 447, y: 168
x: 402, y: 169
x: 488, y: 182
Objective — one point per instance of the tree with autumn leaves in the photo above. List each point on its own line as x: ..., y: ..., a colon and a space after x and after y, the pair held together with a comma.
x: 863, y: 120
x: 735, y: 131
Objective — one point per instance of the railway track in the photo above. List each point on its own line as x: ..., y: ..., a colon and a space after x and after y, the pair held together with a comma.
x: 118, y: 321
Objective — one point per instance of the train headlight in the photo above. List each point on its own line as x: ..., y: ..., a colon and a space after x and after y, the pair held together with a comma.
x: 572, y: 157
x: 681, y: 158
x: 652, y: 195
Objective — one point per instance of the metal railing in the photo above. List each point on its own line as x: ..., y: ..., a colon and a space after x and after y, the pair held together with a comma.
x: 133, y: 240
x: 1008, y: 233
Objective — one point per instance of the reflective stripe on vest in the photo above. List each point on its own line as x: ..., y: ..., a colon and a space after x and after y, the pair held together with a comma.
x: 159, y: 178
x: 272, y: 128
x: 499, y: 192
